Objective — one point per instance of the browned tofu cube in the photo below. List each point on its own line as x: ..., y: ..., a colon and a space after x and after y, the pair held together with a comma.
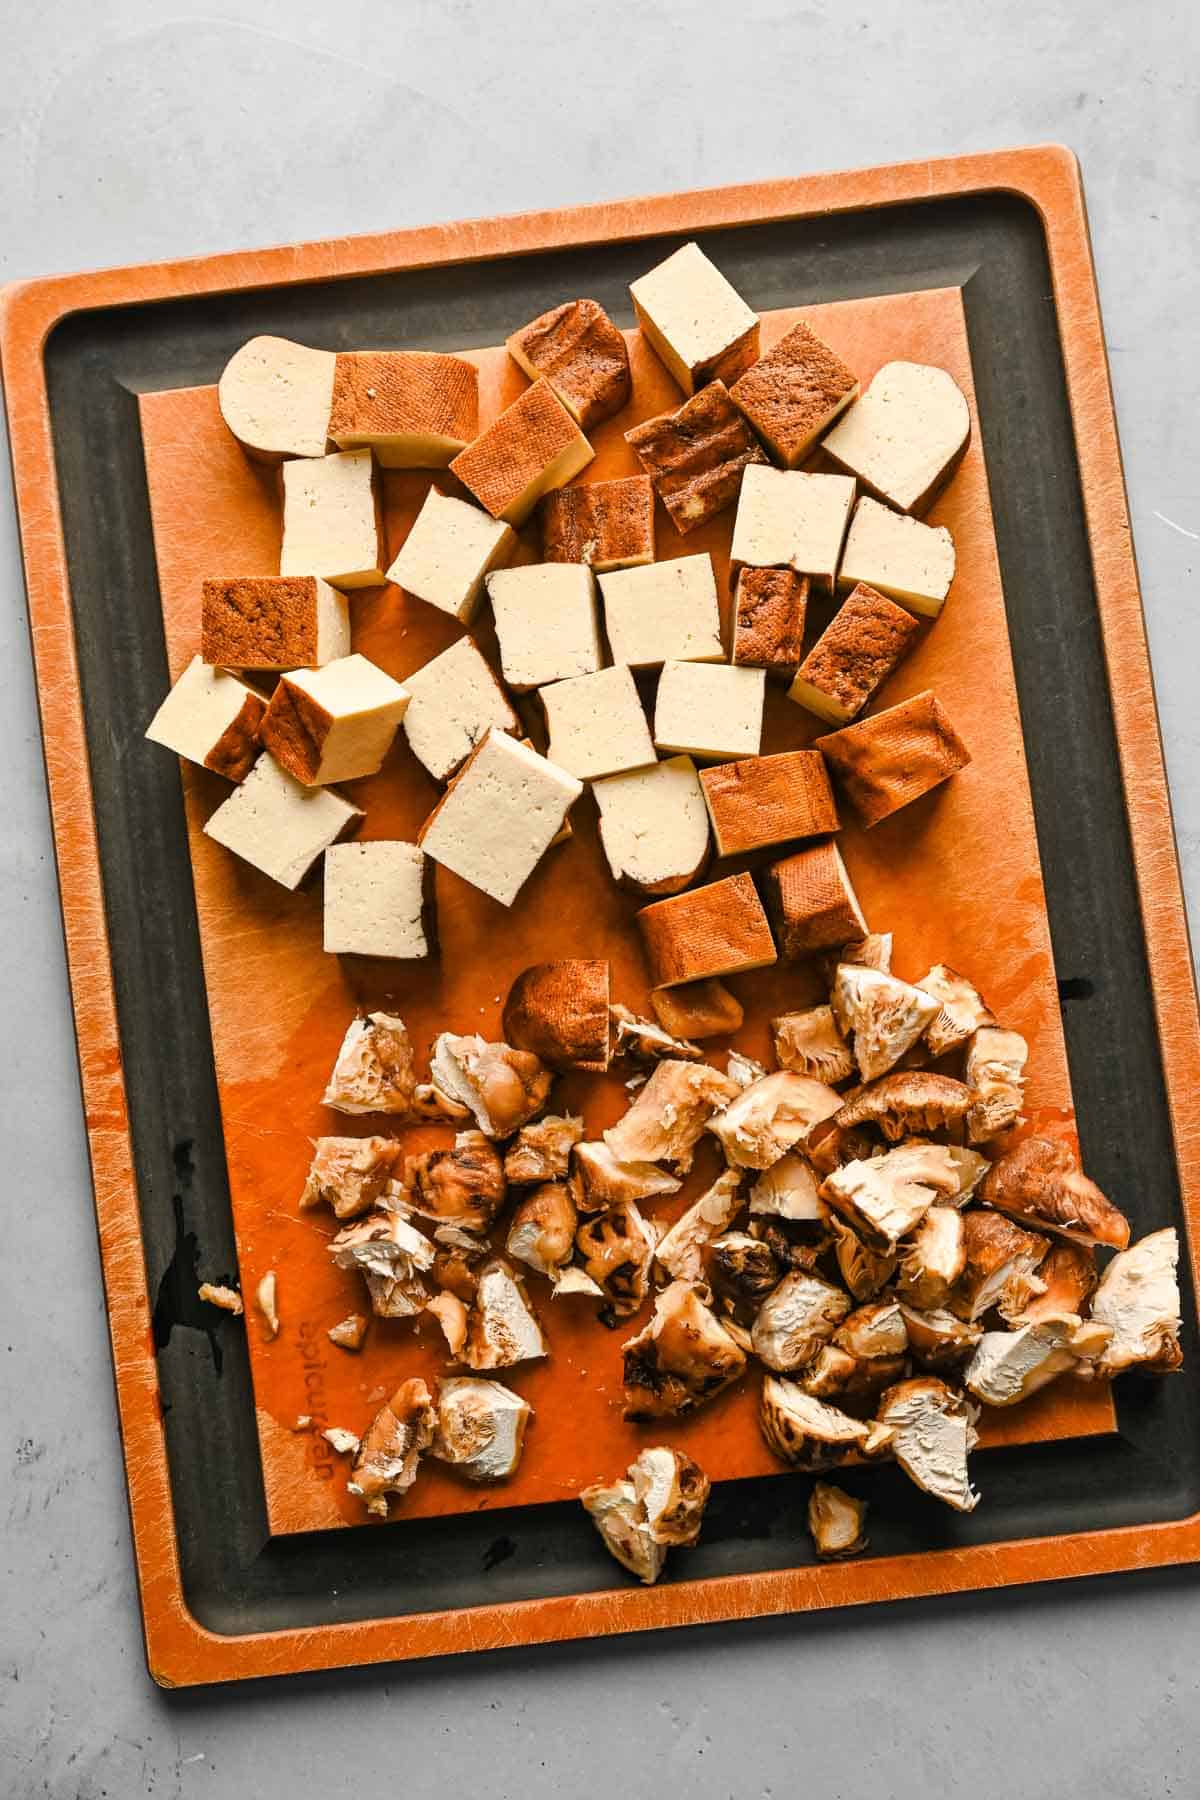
x: 811, y: 903
x: 414, y: 409
x: 696, y: 456
x: 794, y: 392
x: 714, y: 930
x: 272, y: 622
x: 580, y: 352
x: 891, y: 759
x: 606, y: 524
x: 769, y: 609
x: 765, y: 800
x: 854, y: 656
x: 533, y: 446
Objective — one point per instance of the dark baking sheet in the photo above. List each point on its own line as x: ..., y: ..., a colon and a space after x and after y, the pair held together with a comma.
x: 236, y: 1578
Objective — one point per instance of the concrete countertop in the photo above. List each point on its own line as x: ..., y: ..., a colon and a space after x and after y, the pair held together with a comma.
x: 133, y: 131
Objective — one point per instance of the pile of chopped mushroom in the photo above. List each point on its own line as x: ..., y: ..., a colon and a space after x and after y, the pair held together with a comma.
x: 882, y: 1242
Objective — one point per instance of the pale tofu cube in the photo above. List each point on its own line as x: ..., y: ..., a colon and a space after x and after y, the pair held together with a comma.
x: 709, y: 709
x: 335, y: 723
x: 415, y: 409
x: 273, y: 622
x: 695, y: 320
x: 451, y: 548
x: 787, y: 519
x: 275, y: 398
x: 533, y: 446
x: 545, y: 623
x: 596, y: 724
x: 210, y: 718
x: 331, y: 519
x: 379, y: 900
x: 453, y: 703
x: 897, y: 555
x: 280, y: 826
x: 499, y: 816
x: 662, y: 611
x: 905, y: 435
x: 654, y: 825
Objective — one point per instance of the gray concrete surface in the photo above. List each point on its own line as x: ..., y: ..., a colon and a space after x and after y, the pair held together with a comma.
x: 133, y: 130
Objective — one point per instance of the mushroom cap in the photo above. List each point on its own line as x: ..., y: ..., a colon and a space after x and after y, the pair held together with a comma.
x: 541, y: 1150
x: 863, y: 1270
x: 933, y: 1259
x: 836, y: 1521
x: 886, y: 1197
x: 349, y: 1174
x: 665, y: 1121
x: 681, y: 1251
x: 771, y: 1116
x: 541, y: 1232
x: 503, y: 1087
x: 617, y: 1249
x: 673, y: 1491
x: 804, y: 1431
x: 619, y: 1517
x: 1138, y: 1298
x: 387, y: 1458
x: 451, y: 1315
x: 1008, y: 1366
x: 504, y: 1329
x: 934, y: 1429
x: 834, y: 1374
x: 877, y: 1329
x: 939, y: 1340
x: 374, y: 1071
x: 683, y: 1357
x: 602, y: 1179
x: 463, y: 1185
x: 961, y: 1009
x: 882, y: 1014
x: 1066, y: 1280
x: 810, y: 1043
x: 899, y: 1106
x: 559, y: 1011
x: 788, y: 1190
x: 645, y: 1042
x: 480, y: 1427
x: 1040, y: 1183
x: 740, y: 1269
x: 800, y: 1315
x: 997, y: 1251
x: 995, y: 1070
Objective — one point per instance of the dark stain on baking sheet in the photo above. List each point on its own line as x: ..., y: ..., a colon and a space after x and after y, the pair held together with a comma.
x: 178, y: 1302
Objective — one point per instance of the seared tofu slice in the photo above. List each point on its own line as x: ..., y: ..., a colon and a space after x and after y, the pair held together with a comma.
x: 272, y: 622
x: 696, y: 456
x: 280, y: 826
x: 533, y: 446
x: 769, y: 610
x: 454, y: 700
x: 579, y: 351
x: 764, y: 800
x: 451, y: 548
x: 545, y: 623
x: 596, y: 724
x: 709, y: 709
x: 414, y: 408
x: 667, y: 610
x: 499, y: 816
x: 794, y: 393
x: 891, y: 759
x: 336, y: 723
x: 379, y: 900
x: 715, y: 930
x: 694, y: 319
x: 853, y: 657
x: 275, y: 398
x: 331, y: 519
x: 898, y: 556
x: 905, y: 435
x: 607, y: 524
x: 212, y: 718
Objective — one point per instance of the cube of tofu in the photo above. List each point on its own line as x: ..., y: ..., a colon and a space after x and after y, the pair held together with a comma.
x: 275, y: 398
x: 695, y: 320
x: 272, y: 622
x: 708, y: 709
x: 811, y: 902
x: 379, y: 900
x: 715, y: 930
x: 579, y: 351
x: 335, y: 723
x: 769, y: 610
x: 331, y: 519
x: 653, y: 826
x: 898, y: 556
x: 607, y: 524
x: 905, y: 435
x: 546, y: 623
x: 451, y: 547
x: 596, y: 724
x: 415, y: 409
x: 454, y: 700
x: 696, y: 456
x: 212, y: 718
x: 786, y: 519
x: 853, y: 657
x: 765, y: 800
x: 280, y: 826
x: 891, y: 759
x: 794, y: 393
x: 533, y: 446
x: 499, y: 816
x: 669, y: 609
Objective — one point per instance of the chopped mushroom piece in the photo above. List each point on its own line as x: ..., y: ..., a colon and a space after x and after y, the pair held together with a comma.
x: 349, y: 1334
x: 542, y: 1151
x: 971, y: 1167
x: 541, y: 1233
x: 1008, y: 1366
x: 741, y: 1270
x: 602, y: 1179
x: 788, y: 1190
x: 673, y: 1492
x: 771, y: 1117
x: 871, y: 952
x: 227, y: 1298
x: 575, y: 1281
x: 811, y: 1044
x: 804, y: 1431
x: 665, y: 1121
x: 503, y: 1087
x: 836, y: 1520
x: 884, y: 1016
x: 743, y: 1069
x: 374, y: 1071
x: 698, y: 1009
x: 645, y: 1042
x: 344, y: 1442
x: 998, y: 1251
x: 480, y: 1427
x: 886, y: 1197
x: 559, y: 1011
x: 462, y: 1186
x: 834, y: 1374
x: 349, y: 1174
x: 939, y: 1341
x: 266, y: 1296
x: 683, y: 1357
x: 681, y: 1252
x: 429, y: 1102
x: 877, y: 1329
x: 935, y: 1429
x: 391, y: 1255
x: 504, y: 1329
x: 617, y: 1249
x: 962, y: 1010
x: 620, y: 1518
x: 1138, y: 1298
x: 996, y: 1071
x: 1040, y: 1183
x: 451, y: 1314
x: 800, y: 1315
x: 387, y: 1458
x: 863, y: 1270
x: 933, y: 1259
x: 898, y: 1106
x: 1065, y: 1281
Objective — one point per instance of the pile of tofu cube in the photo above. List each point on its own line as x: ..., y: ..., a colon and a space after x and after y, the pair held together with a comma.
x: 882, y: 1240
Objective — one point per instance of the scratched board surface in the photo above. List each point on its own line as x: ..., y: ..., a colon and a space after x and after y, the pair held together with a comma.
x: 956, y: 877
